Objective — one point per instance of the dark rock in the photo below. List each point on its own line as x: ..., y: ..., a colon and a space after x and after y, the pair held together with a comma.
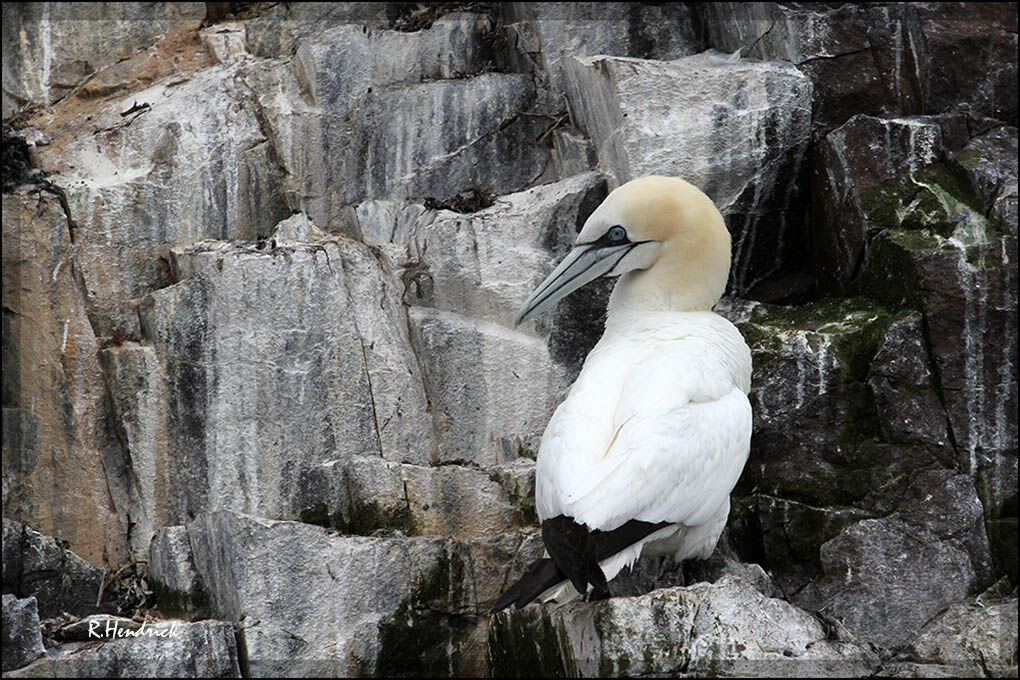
x: 466, y: 201
x: 849, y: 198
x: 59, y: 580
x: 543, y: 34
x: 816, y: 435
x: 990, y: 164
x: 885, y: 579
x: 869, y: 59
x: 22, y: 639
x: 967, y: 291
x: 973, y: 65
x: 906, y: 396
x: 945, y: 503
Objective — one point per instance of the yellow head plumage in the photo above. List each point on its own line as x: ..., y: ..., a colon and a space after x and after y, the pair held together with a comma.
x: 662, y: 235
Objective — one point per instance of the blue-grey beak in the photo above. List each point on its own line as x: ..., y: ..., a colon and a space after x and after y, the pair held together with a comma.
x: 586, y: 262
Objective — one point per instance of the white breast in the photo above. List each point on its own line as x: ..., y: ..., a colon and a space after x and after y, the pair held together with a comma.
x: 657, y: 426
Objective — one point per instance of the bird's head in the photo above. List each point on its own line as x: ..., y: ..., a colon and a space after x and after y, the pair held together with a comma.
x: 663, y: 234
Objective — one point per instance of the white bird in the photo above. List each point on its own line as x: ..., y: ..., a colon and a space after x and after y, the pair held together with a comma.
x: 641, y: 456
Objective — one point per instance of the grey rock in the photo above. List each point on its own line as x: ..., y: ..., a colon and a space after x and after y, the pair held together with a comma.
x: 368, y: 496
x: 491, y: 144
x: 360, y: 604
x: 160, y: 649
x: 172, y: 574
x: 220, y: 174
x: 385, y: 221
x: 51, y: 48
x: 22, y: 639
x: 976, y: 637
x: 225, y: 41
x: 484, y: 265
x: 906, y: 669
x: 134, y: 381
x: 39, y: 566
x: 704, y: 118
x: 492, y: 389
x: 345, y: 357
x: 400, y: 403
x: 281, y: 29
x: 870, y: 59
x: 544, y: 34
x: 885, y: 579
x: 572, y: 153
x: 724, y: 628
x: 336, y: 96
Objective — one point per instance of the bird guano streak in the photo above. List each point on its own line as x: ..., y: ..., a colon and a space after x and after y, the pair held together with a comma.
x: 641, y: 456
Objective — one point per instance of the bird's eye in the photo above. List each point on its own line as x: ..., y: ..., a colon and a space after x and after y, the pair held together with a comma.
x: 616, y: 234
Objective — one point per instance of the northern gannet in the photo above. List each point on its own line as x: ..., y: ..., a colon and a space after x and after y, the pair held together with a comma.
x: 641, y: 456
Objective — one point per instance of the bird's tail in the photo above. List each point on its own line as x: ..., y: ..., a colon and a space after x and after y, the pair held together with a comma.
x: 543, y: 575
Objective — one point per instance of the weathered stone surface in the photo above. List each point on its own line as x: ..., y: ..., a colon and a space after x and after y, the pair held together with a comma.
x: 976, y: 638
x: 366, y: 605
x: 134, y: 382
x: 906, y: 399
x: 869, y: 59
x: 973, y: 57
x: 56, y: 422
x: 281, y: 29
x: 475, y: 264
x: 162, y: 649
x: 966, y: 286
x: 368, y: 496
x: 885, y: 579
x: 946, y: 504
x: 355, y: 364
x: 816, y: 435
x: 354, y: 385
x: 354, y: 106
x: 22, y: 641
x: 216, y: 167
x: 736, y: 129
x: 726, y: 628
x: 990, y: 164
x: 50, y: 48
x: 849, y: 198
x: 492, y: 390
x: 172, y: 573
x: 36, y: 565
x: 545, y: 33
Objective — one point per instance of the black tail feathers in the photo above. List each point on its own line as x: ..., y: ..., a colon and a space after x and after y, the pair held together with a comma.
x: 543, y: 575
x: 575, y: 553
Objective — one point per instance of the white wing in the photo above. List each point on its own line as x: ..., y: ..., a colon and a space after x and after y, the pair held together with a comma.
x: 662, y: 437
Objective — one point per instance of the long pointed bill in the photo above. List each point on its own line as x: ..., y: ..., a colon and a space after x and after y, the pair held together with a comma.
x: 582, y: 264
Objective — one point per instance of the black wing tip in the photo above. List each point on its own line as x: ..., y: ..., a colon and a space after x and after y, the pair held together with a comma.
x: 542, y: 575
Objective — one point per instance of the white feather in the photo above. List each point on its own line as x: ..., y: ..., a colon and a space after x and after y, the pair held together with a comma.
x: 657, y: 427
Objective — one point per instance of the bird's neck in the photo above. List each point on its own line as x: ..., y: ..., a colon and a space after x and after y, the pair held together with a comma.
x: 685, y: 278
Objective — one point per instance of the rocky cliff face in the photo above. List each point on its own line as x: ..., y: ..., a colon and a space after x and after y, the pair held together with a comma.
x: 260, y: 268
